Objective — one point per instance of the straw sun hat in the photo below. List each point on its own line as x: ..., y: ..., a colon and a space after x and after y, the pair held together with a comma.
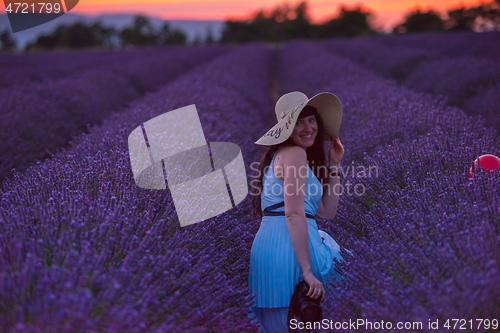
x: 288, y: 108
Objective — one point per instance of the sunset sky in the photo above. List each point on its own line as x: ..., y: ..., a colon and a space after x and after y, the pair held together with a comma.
x: 387, y: 12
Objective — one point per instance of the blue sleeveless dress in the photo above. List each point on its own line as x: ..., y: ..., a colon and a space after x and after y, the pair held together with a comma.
x: 274, y: 269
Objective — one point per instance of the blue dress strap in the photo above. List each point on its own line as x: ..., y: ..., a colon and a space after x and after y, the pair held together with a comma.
x: 268, y: 210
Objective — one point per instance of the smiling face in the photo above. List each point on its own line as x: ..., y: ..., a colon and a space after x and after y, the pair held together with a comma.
x: 305, y: 131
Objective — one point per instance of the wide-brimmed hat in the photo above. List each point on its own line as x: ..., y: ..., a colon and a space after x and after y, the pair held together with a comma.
x: 288, y: 108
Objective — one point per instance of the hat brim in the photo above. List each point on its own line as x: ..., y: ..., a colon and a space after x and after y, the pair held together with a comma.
x: 329, y: 109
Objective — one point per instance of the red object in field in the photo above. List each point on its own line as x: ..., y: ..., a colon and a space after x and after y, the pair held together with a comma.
x: 487, y: 162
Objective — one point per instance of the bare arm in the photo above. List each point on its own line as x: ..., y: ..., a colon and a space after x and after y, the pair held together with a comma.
x: 293, y: 162
x: 327, y: 207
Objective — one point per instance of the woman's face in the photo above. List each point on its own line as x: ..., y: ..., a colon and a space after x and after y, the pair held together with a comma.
x: 305, y: 131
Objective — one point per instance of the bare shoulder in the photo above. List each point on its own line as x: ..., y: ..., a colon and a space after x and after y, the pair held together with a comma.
x: 293, y: 156
x: 288, y: 156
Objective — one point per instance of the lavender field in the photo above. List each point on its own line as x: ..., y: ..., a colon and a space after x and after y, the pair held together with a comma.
x: 461, y: 67
x: 39, y: 117
x: 83, y: 249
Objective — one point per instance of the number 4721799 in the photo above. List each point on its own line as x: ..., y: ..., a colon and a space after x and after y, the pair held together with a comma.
x: 471, y: 324
x: 39, y: 7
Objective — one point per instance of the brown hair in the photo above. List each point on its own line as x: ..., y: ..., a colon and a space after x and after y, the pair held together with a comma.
x: 315, y: 158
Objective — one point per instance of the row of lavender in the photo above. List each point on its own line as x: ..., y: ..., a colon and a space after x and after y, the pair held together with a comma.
x: 463, y: 67
x: 424, y: 239
x: 449, y: 44
x: 82, y: 248
x: 37, y: 118
x: 397, y: 56
x: 38, y: 67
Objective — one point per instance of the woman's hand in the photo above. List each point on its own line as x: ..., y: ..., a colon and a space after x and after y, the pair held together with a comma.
x: 316, y: 289
x: 335, y: 152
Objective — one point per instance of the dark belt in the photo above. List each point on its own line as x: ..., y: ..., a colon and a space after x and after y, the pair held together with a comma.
x: 268, y: 211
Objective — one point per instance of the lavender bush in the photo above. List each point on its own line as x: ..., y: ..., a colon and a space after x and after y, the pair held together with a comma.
x: 448, y: 70
x: 398, y: 56
x: 450, y: 43
x: 38, y: 118
x: 486, y: 103
x: 396, y: 62
x: 40, y: 66
x: 459, y: 79
x: 430, y: 245
x: 424, y: 239
x: 84, y: 249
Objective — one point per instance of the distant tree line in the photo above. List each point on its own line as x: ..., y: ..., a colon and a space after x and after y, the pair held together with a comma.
x: 7, y: 43
x: 282, y: 23
x: 483, y: 17
x: 285, y: 22
x: 81, y: 35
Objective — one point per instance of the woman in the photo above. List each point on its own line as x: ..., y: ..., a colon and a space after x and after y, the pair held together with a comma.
x: 295, y: 183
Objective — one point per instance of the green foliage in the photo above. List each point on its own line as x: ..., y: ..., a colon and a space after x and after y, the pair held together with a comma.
x: 209, y: 38
x: 76, y: 36
x: 417, y: 21
x: 350, y: 23
x: 285, y: 23
x: 483, y: 17
x: 141, y: 33
x: 7, y: 43
x: 167, y: 35
x: 81, y: 35
x: 461, y: 19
